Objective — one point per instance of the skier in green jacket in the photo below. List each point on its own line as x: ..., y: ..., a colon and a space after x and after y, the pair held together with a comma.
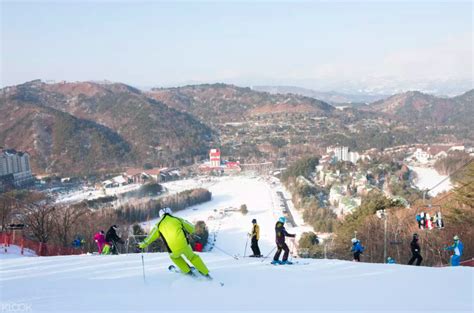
x: 173, y: 231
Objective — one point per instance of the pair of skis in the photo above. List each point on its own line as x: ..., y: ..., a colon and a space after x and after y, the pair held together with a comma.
x: 195, y: 274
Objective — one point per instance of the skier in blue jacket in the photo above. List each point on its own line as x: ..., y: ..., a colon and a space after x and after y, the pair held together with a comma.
x: 391, y: 260
x: 357, y: 248
x: 457, y: 247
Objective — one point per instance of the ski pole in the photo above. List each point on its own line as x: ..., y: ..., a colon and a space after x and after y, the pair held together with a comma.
x: 246, y: 243
x: 268, y: 254
x: 225, y: 252
x: 292, y: 249
x: 143, y: 267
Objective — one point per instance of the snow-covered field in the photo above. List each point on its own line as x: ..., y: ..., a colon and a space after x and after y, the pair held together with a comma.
x: 80, y: 194
x: 94, y: 283
x: 115, y: 284
x: 429, y: 177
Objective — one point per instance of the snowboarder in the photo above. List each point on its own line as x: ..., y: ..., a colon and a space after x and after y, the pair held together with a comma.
x: 255, y: 236
x: 173, y: 231
x: 458, y: 248
x: 415, y: 250
x: 112, y: 240
x: 99, y: 238
x: 357, y: 248
x: 281, y: 233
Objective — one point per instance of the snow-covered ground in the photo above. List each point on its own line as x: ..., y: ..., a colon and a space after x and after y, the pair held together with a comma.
x: 14, y: 252
x: 429, y: 177
x: 94, y: 283
x: 80, y: 194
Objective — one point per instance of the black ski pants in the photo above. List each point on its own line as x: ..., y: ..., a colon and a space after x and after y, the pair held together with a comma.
x: 357, y: 256
x: 282, y: 246
x: 416, y: 256
x: 254, y: 246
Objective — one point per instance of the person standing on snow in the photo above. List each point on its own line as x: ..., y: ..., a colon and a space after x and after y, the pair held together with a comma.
x: 99, y: 238
x: 415, y: 250
x: 281, y: 234
x: 112, y: 240
x: 173, y: 231
x: 357, y: 249
x: 255, y: 236
x: 458, y: 248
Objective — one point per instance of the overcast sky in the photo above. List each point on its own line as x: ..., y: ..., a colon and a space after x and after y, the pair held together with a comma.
x: 304, y: 43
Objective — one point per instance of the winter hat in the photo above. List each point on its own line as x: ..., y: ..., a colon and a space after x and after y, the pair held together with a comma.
x: 102, y: 232
x: 354, y: 240
x: 115, y: 227
x: 456, y: 238
x: 282, y: 219
x: 415, y: 235
x: 254, y: 221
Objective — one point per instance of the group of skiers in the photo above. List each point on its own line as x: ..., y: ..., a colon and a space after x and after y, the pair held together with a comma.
x: 280, y: 235
x: 107, y: 242
x: 174, y: 231
x: 457, y: 248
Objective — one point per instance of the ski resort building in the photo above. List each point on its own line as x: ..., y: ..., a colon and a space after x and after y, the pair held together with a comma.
x: 215, y: 157
x: 15, y: 168
x: 216, y: 164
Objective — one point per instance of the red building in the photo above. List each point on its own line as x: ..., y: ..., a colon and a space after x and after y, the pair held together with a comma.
x: 215, y: 157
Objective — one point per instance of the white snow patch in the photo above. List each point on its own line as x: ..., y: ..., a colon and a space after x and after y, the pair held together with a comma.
x: 429, y: 177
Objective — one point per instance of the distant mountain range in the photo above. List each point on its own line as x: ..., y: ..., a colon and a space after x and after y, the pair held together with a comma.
x: 85, y: 127
x: 82, y: 127
x: 332, y: 97
x: 418, y: 107
x: 227, y: 103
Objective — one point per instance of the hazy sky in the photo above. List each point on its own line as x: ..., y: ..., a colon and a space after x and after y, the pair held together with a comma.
x: 300, y: 43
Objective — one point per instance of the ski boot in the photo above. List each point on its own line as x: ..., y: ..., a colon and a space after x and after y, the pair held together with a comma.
x: 275, y: 262
x: 286, y: 262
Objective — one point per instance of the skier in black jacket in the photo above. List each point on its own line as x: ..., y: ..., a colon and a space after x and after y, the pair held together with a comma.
x: 281, y: 233
x: 112, y: 238
x: 415, y: 250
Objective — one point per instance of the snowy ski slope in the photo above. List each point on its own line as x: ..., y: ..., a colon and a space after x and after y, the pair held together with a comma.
x: 94, y: 283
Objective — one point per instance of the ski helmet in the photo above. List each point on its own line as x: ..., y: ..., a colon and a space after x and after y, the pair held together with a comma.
x: 354, y: 240
x: 456, y: 238
x: 164, y: 211
x: 282, y: 219
x: 254, y: 221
